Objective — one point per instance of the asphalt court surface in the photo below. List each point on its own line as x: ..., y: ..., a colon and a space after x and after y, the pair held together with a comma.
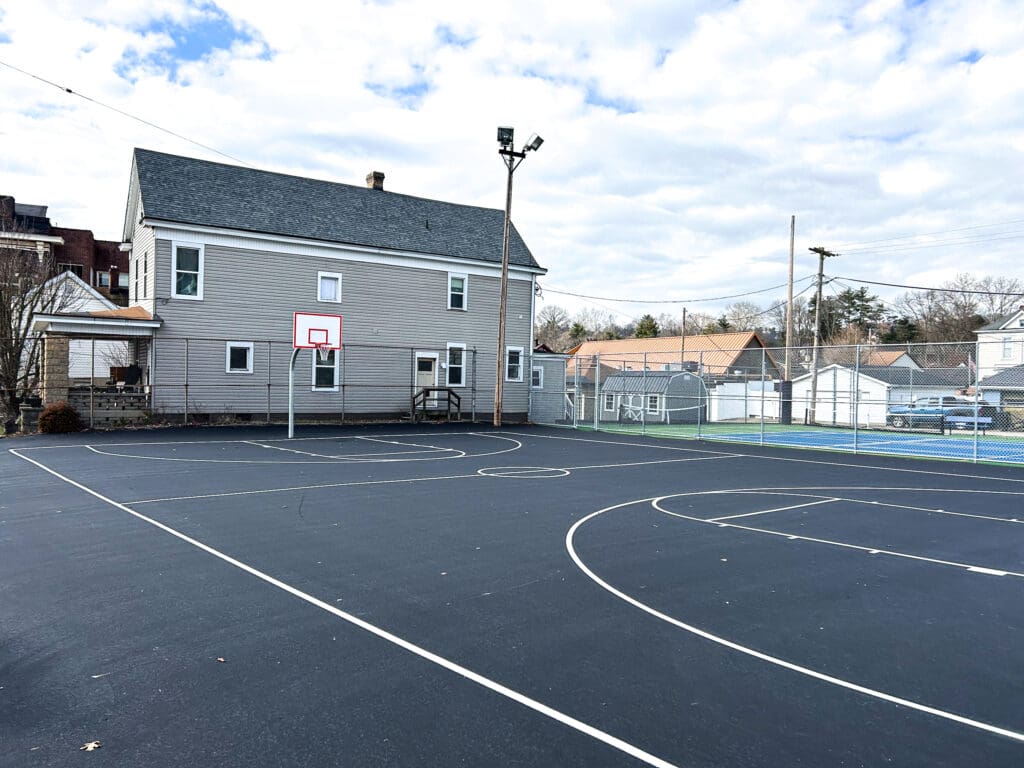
x: 421, y: 597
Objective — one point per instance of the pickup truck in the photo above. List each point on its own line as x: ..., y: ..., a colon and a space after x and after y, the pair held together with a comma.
x: 933, y: 412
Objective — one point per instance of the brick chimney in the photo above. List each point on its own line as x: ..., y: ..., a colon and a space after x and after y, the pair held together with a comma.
x: 375, y: 180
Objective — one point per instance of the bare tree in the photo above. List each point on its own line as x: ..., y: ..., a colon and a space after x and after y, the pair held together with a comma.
x: 26, y: 288
x: 744, y: 316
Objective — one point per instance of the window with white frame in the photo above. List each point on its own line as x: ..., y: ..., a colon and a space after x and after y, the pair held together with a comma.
x: 1007, y: 349
x: 187, y: 270
x: 102, y: 279
x: 513, y: 363
x: 145, y: 274
x: 653, y: 401
x: 609, y: 402
x: 325, y: 372
x: 122, y: 279
x: 238, y: 357
x: 537, y: 377
x: 328, y: 287
x: 75, y: 269
x: 457, y: 290
x: 455, y: 372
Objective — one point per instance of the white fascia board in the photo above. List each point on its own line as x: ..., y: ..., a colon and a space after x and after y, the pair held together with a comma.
x: 235, y: 238
x: 29, y: 237
x: 77, y: 324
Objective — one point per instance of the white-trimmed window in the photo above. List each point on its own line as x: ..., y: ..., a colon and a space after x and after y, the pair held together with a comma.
x: 458, y: 290
x: 187, y: 271
x: 328, y: 287
x: 609, y: 402
x: 653, y: 401
x: 238, y: 357
x: 513, y: 363
x: 102, y: 279
x: 455, y: 371
x: 122, y: 279
x: 537, y: 377
x: 1007, y: 349
x: 325, y: 372
x: 145, y: 274
x: 75, y: 269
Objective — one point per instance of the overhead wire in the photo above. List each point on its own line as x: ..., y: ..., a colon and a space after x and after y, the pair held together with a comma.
x: 677, y: 301
x: 65, y: 89
x: 932, y: 288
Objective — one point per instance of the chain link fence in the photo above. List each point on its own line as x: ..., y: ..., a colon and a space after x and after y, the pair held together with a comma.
x: 187, y: 380
x: 960, y: 401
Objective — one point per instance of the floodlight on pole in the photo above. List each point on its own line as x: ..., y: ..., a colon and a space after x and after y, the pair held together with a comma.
x: 512, y: 159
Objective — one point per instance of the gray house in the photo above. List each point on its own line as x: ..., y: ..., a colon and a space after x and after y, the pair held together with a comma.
x: 222, y: 256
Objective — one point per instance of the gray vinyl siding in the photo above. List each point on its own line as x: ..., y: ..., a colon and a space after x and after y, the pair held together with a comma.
x: 143, y: 249
x: 547, y: 404
x: 388, y: 311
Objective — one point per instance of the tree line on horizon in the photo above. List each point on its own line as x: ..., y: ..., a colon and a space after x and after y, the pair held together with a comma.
x: 950, y: 313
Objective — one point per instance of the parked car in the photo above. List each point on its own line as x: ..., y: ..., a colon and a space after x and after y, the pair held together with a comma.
x: 932, y: 412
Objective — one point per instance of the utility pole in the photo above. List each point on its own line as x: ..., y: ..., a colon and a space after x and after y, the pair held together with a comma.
x: 786, y: 387
x: 682, y: 342
x: 822, y: 255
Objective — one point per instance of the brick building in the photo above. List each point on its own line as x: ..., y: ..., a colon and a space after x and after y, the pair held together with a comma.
x: 100, y: 263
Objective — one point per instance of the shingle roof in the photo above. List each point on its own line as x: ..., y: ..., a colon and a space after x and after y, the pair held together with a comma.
x: 901, y: 376
x: 717, y: 351
x: 189, y: 191
x: 649, y: 382
x: 1010, y: 378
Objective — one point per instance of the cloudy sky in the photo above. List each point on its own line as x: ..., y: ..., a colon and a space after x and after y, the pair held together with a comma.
x: 680, y: 136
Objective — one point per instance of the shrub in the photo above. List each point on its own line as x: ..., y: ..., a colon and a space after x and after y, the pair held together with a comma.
x: 58, y: 418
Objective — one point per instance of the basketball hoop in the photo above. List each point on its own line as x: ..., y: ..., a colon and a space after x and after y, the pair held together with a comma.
x: 323, y: 351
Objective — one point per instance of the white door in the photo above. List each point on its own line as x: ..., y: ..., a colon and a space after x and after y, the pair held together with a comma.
x: 426, y: 375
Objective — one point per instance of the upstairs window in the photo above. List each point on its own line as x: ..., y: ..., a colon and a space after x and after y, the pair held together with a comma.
x: 102, y: 279
x: 187, y: 270
x: 122, y: 279
x: 328, y: 287
x: 325, y: 372
x: 75, y: 269
x: 457, y: 284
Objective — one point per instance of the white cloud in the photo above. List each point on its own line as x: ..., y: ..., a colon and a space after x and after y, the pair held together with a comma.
x: 680, y: 136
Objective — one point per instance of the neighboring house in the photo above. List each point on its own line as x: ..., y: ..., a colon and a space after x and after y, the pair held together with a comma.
x: 99, y: 263
x: 1001, y: 344
x: 653, y: 397
x: 869, y: 392
x: 221, y: 256
x: 713, y: 354
x: 1006, y: 388
x: 551, y: 401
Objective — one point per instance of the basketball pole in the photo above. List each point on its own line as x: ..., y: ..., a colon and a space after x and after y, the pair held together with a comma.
x: 291, y: 393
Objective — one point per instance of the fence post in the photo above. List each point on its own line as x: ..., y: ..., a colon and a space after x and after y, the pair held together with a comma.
x: 186, y: 382
x: 705, y: 397
x: 643, y: 398
x: 92, y: 382
x: 341, y: 364
x: 576, y: 392
x: 597, y: 391
x: 473, y: 391
x: 856, y: 400
x: 977, y: 394
x: 270, y: 351
x: 764, y: 372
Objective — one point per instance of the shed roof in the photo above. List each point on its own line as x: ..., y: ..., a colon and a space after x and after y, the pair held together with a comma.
x: 1009, y: 378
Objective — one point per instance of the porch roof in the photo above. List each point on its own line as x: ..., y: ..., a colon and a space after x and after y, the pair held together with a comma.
x: 111, y: 323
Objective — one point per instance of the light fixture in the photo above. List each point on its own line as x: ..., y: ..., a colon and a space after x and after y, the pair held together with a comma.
x: 505, y: 136
x: 533, y: 142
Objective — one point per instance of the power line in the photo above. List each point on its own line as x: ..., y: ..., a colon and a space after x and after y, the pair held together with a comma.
x: 125, y: 114
x: 939, y: 232
x: 928, y: 288
x: 937, y: 244
x: 674, y: 301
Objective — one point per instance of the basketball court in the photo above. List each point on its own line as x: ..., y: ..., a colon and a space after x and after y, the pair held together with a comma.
x: 437, y: 596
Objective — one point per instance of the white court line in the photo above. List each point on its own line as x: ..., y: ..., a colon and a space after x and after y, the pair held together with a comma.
x: 382, y: 456
x: 792, y: 459
x: 383, y: 634
x: 769, y: 511
x: 654, y: 461
x: 570, y: 546
x: 369, y: 458
x: 314, y: 487
x: 840, y: 544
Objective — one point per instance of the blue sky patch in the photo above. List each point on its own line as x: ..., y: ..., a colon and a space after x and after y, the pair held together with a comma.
x: 661, y: 55
x: 622, y: 106
x: 194, y: 40
x: 409, y: 95
x: 971, y: 56
x: 446, y: 36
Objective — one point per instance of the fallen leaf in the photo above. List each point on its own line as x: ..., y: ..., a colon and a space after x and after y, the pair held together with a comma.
x: 89, y: 746
x: 221, y: 659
